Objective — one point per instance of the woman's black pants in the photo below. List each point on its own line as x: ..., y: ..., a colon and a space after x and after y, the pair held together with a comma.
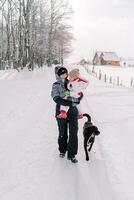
x: 68, y: 129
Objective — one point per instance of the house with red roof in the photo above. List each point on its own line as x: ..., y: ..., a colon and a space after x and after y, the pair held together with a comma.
x: 106, y: 58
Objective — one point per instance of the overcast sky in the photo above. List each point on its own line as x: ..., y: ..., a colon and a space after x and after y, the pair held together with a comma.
x: 106, y: 25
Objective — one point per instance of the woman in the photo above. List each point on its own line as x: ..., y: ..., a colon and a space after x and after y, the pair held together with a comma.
x: 67, y: 143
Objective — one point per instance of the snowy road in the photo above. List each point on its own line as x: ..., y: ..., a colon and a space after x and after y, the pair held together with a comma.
x: 30, y: 167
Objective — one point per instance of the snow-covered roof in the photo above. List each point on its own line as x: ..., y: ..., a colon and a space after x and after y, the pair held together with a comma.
x: 110, y: 56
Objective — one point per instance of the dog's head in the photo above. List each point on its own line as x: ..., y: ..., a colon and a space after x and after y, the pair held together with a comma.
x: 96, y: 131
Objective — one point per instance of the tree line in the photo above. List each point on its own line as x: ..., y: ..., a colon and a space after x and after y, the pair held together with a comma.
x: 34, y: 32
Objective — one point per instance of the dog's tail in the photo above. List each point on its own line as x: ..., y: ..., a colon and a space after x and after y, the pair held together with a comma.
x: 88, y: 117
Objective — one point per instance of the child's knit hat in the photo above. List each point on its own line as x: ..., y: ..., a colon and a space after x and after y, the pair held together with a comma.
x: 74, y: 73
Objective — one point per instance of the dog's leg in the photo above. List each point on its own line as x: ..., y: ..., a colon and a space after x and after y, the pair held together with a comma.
x: 91, y: 141
x: 85, y: 148
x: 91, y: 145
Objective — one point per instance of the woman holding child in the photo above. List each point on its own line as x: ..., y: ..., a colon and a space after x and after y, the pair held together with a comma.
x: 66, y: 111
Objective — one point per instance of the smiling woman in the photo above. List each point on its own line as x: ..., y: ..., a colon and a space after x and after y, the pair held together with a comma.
x: 102, y: 25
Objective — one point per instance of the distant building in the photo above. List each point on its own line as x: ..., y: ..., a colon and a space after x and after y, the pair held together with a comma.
x: 106, y: 58
x: 127, y: 62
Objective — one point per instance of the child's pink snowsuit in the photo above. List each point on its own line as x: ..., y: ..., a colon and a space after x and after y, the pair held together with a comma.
x: 76, y: 87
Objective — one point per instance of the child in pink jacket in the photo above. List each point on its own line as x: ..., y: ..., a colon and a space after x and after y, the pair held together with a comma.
x: 76, y: 87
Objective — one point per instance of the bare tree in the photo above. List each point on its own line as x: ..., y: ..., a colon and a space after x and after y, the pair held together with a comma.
x: 33, y: 32
x: 59, y: 11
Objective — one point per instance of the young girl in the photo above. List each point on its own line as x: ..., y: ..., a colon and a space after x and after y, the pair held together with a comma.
x: 76, y: 86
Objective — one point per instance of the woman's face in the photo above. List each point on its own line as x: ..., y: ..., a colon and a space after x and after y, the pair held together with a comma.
x: 64, y: 76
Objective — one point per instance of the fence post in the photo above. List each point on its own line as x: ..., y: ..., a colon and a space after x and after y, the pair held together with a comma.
x: 105, y: 78
x: 118, y: 80
x: 99, y: 74
x: 131, y: 81
x: 110, y: 80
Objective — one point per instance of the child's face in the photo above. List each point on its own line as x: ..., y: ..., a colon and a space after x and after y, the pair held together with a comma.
x: 64, y: 76
x: 71, y: 78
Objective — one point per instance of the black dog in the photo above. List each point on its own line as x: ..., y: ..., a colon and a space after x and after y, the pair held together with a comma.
x: 89, y: 133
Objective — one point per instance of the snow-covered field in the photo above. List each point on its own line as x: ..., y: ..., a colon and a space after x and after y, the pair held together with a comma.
x: 125, y: 75
x: 30, y: 168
